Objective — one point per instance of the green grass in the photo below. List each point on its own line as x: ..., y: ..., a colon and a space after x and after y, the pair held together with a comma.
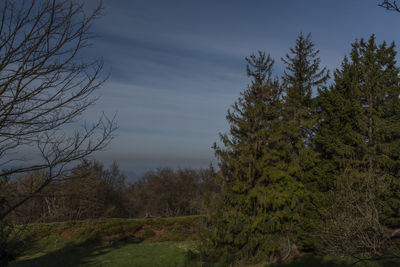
x: 122, y: 242
x: 153, y: 254
x: 132, y: 242
x: 143, y: 254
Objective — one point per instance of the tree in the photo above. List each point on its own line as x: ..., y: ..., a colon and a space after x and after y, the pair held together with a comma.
x: 359, y: 142
x: 303, y: 77
x: 255, y: 202
x: 168, y: 193
x: 45, y: 86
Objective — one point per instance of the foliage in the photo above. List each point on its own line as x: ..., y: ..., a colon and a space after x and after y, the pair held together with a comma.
x: 167, y: 193
x: 359, y: 141
x: 8, y: 244
x: 92, y: 191
x: 8, y: 237
x: 266, y: 161
x: 88, y: 191
x: 302, y: 77
x: 237, y: 226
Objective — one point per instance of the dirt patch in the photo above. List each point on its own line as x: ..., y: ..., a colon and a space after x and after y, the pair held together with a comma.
x: 114, y: 230
x: 144, y: 233
x: 68, y: 234
x: 139, y: 233
x: 110, y: 239
x: 159, y: 233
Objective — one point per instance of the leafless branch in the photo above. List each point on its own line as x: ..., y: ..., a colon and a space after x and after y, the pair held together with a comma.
x: 390, y: 5
x: 45, y: 86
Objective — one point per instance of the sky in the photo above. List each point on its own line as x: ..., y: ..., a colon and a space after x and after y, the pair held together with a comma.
x: 176, y: 66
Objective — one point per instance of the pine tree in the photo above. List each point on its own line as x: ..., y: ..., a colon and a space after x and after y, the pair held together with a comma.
x: 239, y: 225
x: 303, y: 77
x: 359, y: 142
x: 265, y: 160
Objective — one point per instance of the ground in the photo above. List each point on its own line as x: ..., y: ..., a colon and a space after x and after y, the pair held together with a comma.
x: 130, y: 242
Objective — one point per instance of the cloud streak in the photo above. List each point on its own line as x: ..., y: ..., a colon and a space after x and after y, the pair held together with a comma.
x: 177, y: 66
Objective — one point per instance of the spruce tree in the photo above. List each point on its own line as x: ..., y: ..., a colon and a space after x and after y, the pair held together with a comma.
x: 359, y: 143
x: 303, y: 77
x: 265, y: 160
x: 238, y: 226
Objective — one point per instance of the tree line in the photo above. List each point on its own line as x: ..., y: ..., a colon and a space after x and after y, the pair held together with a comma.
x: 92, y: 191
x: 311, y: 167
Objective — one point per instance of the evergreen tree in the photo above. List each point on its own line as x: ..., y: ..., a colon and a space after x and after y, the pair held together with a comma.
x: 302, y: 77
x: 359, y: 142
x: 261, y: 200
x: 238, y: 226
x: 265, y: 161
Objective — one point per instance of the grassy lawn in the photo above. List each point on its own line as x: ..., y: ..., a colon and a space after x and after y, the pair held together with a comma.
x: 154, y: 254
x: 143, y: 254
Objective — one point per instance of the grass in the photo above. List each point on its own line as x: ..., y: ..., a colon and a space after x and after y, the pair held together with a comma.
x: 109, y: 242
x: 131, y: 242
x: 143, y: 254
x: 46, y: 237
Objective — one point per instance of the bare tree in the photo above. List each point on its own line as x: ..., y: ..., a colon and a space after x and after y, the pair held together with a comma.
x: 352, y: 225
x: 169, y: 193
x: 390, y: 5
x: 45, y: 86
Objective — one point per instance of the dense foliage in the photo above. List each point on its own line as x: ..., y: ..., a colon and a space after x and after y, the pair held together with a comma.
x: 307, y: 167
x: 241, y: 223
x: 359, y: 142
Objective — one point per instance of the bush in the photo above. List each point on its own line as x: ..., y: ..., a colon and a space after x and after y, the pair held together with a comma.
x: 9, y: 243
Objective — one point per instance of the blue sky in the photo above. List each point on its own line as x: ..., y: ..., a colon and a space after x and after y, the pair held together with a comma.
x: 177, y: 66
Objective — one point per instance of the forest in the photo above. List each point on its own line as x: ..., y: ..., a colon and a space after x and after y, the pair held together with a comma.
x: 310, y: 164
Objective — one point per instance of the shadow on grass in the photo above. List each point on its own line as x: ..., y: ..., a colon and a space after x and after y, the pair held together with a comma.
x: 71, y: 255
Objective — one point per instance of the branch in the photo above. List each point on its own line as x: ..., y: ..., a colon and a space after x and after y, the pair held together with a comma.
x: 46, y: 86
x: 390, y: 5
